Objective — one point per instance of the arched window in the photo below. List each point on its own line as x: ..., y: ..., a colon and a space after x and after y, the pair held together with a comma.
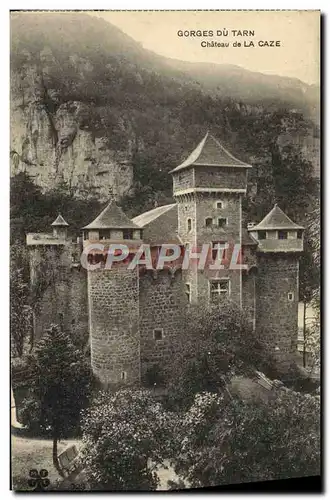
x: 189, y: 225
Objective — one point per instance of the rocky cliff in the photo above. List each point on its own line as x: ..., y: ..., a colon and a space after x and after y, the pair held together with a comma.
x: 53, y: 142
x: 90, y: 107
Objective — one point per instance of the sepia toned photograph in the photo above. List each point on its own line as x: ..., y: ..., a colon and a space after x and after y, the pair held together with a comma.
x: 165, y: 256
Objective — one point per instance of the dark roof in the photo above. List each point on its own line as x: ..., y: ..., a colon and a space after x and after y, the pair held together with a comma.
x: 112, y: 217
x: 59, y: 221
x: 276, y: 219
x: 247, y: 239
x: 159, y: 225
x: 210, y: 152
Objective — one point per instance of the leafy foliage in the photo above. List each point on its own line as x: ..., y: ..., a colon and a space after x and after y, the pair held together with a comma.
x: 126, y: 435
x: 34, y: 211
x: 20, y: 308
x: 232, y: 441
x: 215, y: 344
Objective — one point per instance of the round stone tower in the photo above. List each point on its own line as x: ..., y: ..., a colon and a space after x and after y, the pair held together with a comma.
x: 113, y: 298
x: 280, y: 243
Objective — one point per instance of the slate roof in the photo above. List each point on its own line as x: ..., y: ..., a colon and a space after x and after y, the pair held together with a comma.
x: 112, y: 217
x: 59, y: 221
x: 159, y: 225
x: 210, y: 152
x: 147, y: 217
x: 276, y: 219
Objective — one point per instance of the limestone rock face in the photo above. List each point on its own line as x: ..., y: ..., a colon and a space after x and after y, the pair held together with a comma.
x: 57, y: 141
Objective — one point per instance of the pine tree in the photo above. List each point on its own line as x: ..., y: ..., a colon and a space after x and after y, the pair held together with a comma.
x: 60, y: 387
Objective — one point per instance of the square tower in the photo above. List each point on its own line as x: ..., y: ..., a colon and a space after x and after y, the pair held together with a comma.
x: 208, y: 187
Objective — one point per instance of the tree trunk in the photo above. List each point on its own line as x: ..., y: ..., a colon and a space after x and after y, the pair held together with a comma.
x: 304, y: 332
x: 55, y: 457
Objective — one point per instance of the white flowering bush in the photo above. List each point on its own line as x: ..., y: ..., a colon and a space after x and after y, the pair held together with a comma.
x: 126, y: 436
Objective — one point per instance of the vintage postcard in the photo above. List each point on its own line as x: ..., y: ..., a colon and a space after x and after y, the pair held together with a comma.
x: 165, y: 250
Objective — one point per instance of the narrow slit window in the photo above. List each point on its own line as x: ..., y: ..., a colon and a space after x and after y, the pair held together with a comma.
x: 188, y: 292
x: 290, y: 296
x: 123, y: 375
x: 158, y: 334
x: 189, y: 225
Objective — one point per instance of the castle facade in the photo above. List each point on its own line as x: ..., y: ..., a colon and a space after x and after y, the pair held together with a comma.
x: 133, y: 317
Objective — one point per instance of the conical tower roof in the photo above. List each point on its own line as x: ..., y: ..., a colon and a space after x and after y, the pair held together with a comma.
x: 59, y: 221
x: 276, y: 219
x: 112, y: 217
x: 210, y: 152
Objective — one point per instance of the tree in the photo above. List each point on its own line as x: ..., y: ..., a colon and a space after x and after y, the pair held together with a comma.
x: 126, y: 435
x: 59, y: 387
x: 215, y: 344
x: 20, y: 309
x: 226, y: 441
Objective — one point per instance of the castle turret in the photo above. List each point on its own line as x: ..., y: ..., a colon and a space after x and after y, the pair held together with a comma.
x: 208, y: 187
x: 60, y: 228
x: 280, y: 242
x: 58, y: 282
x: 113, y: 302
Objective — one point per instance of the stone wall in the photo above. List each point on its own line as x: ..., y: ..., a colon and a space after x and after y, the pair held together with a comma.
x: 161, y: 306
x: 248, y: 295
x: 60, y: 292
x: 113, y: 296
x: 277, y: 316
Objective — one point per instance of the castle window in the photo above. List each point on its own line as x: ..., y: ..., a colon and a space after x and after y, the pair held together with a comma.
x: 282, y: 235
x: 189, y: 225
x: 158, y: 334
x: 127, y: 234
x: 104, y: 234
x: 222, y: 222
x: 299, y: 234
x: 218, y: 205
x: 219, y: 290
x: 123, y: 375
x: 218, y: 250
x: 290, y: 296
x: 85, y: 235
x: 208, y: 222
x: 188, y: 292
x: 261, y: 235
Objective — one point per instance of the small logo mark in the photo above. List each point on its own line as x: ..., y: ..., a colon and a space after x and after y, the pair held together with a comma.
x: 38, y: 481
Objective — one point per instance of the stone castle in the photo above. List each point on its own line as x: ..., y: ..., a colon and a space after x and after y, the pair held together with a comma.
x: 132, y: 318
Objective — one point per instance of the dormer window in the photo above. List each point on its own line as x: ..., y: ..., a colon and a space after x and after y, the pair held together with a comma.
x: 208, y: 222
x: 261, y: 235
x: 189, y: 225
x: 282, y: 235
